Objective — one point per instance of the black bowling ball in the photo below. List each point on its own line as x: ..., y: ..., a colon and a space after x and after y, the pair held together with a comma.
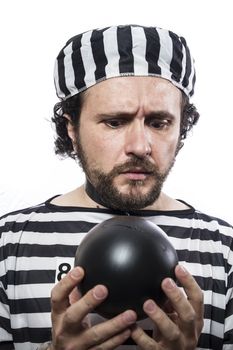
x: 130, y: 256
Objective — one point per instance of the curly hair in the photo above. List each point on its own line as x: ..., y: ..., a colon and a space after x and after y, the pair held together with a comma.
x: 73, y: 106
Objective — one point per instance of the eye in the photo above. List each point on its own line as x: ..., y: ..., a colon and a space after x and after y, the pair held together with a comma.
x: 114, y: 123
x: 158, y: 123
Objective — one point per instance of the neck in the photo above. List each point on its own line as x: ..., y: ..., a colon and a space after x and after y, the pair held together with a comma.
x: 164, y: 202
x: 93, y: 194
x: 80, y: 198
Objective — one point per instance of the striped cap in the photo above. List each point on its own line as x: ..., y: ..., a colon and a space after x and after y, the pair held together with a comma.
x: 125, y: 50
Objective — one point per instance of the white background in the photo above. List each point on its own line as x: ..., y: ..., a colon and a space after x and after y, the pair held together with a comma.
x: 33, y: 32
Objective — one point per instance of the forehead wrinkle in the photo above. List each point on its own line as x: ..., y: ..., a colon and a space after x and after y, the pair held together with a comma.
x: 145, y: 96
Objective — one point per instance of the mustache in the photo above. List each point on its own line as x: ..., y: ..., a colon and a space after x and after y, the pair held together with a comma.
x: 144, y: 164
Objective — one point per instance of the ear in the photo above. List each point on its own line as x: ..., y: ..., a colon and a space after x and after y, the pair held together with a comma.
x: 71, y: 130
x: 179, y: 146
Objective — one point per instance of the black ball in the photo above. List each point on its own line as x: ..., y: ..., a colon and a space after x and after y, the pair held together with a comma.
x: 130, y: 256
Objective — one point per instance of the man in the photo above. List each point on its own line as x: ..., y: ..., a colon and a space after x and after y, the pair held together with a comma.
x: 124, y: 114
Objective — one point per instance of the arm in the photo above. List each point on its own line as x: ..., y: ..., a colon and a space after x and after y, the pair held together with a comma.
x: 228, y: 326
x: 70, y: 328
x: 180, y: 329
x: 6, y: 339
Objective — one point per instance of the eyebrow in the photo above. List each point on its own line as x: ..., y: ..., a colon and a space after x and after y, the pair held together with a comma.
x: 157, y: 114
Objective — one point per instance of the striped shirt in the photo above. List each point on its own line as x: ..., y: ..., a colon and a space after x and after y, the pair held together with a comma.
x: 38, y: 245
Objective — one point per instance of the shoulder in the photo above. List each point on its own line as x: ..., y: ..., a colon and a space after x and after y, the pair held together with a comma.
x: 9, y: 220
x: 211, y: 221
x: 214, y: 230
x: 48, y: 217
x: 203, y: 219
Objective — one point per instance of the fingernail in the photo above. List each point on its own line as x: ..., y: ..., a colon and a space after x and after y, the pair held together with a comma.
x: 126, y: 334
x: 149, y: 306
x: 100, y: 292
x: 182, y: 270
x: 76, y: 273
x: 169, y: 283
x: 129, y: 316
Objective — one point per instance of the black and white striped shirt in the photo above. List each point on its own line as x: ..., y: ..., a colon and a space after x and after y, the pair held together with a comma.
x: 38, y: 245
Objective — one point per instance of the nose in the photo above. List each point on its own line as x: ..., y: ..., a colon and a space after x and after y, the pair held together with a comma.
x: 138, y: 140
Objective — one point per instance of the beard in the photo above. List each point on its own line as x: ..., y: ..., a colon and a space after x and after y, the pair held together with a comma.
x: 136, y: 197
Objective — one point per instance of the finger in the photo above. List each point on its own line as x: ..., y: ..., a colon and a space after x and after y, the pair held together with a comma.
x: 193, y: 291
x: 60, y: 292
x: 74, y: 296
x: 182, y: 306
x: 143, y: 340
x: 167, y: 329
x: 110, y: 331
x: 86, y: 322
x: 188, y: 309
x: 114, y: 342
x: 77, y: 311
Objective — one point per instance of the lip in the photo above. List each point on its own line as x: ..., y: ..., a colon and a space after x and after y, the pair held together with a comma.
x: 136, y: 170
x: 136, y: 174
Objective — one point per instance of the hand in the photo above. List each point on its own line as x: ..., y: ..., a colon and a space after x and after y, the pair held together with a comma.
x: 181, y: 328
x: 70, y: 329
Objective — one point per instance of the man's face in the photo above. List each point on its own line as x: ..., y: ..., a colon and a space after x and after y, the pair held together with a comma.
x: 128, y: 138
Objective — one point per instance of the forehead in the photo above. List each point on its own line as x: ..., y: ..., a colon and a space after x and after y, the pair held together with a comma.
x: 131, y: 92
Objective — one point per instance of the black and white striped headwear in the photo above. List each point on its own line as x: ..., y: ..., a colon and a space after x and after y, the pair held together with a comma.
x: 125, y: 50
